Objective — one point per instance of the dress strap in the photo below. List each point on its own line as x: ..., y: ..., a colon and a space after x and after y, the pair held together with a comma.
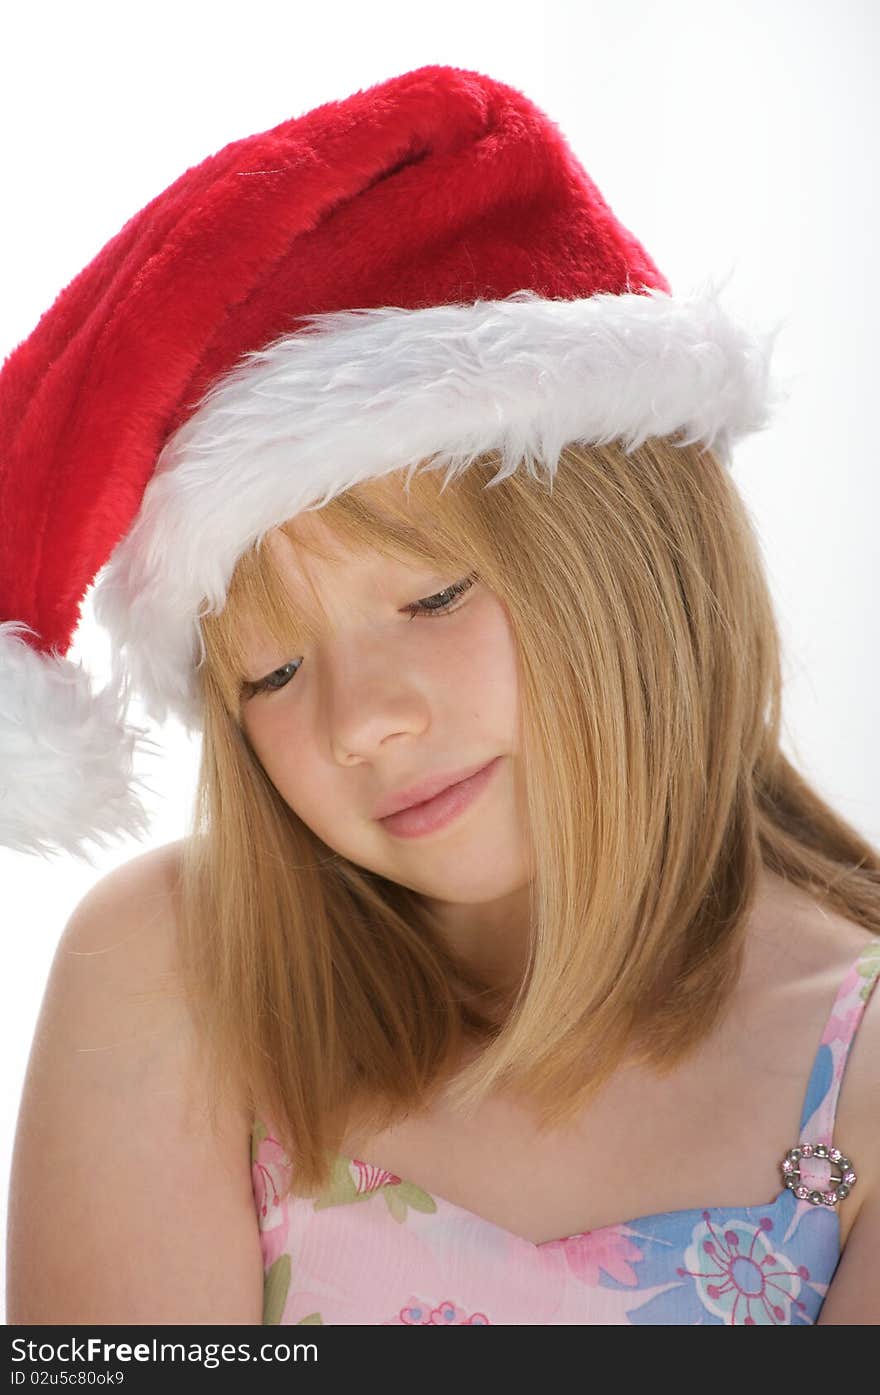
x: 817, y: 1169
x: 820, y: 1102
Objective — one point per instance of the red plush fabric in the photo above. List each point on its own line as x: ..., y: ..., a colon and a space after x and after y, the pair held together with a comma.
x: 438, y: 186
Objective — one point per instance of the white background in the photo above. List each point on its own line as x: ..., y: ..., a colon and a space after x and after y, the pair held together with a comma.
x: 729, y: 137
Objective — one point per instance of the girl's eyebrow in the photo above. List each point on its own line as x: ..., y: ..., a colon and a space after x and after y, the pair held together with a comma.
x: 268, y: 652
x: 427, y: 574
x: 254, y: 672
x: 298, y: 634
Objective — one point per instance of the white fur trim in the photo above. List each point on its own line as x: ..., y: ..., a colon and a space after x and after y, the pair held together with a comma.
x: 356, y: 394
x: 65, y: 755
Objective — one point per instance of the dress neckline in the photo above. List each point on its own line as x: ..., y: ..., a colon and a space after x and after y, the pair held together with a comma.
x: 867, y: 963
x: 474, y: 1219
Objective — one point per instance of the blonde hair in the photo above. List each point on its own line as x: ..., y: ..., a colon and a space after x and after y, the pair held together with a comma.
x: 650, y: 695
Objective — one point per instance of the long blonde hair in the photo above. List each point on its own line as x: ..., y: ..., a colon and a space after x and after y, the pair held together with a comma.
x: 650, y: 695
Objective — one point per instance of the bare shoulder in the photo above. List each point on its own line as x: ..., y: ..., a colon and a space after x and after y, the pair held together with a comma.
x: 121, y: 942
x: 802, y: 954
x: 142, y: 893
x: 854, y: 1292
x: 127, y: 1204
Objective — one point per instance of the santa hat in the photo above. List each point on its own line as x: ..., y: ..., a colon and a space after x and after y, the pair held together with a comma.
x: 421, y: 271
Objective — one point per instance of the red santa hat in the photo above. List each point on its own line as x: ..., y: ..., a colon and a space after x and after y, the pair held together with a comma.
x: 422, y: 271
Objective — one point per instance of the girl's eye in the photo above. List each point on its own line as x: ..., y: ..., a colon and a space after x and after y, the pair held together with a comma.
x: 443, y: 602
x: 430, y: 607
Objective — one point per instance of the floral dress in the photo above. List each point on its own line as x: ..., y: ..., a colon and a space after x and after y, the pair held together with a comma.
x: 375, y: 1249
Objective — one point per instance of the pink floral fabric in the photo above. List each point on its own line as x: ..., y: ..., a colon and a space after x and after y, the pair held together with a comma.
x: 376, y: 1249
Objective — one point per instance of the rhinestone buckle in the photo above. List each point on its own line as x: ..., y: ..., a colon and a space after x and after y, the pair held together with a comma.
x: 842, y: 1182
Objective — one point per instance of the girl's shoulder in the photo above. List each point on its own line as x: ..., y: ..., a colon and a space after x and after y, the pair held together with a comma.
x: 813, y: 972
x: 798, y: 949
x: 113, y: 1091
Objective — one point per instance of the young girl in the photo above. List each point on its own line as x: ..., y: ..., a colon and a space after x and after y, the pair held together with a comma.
x: 511, y: 973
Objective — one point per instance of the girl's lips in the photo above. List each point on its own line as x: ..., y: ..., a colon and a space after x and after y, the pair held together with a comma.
x: 443, y: 808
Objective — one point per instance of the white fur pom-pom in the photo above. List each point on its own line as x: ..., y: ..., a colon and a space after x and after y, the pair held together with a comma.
x: 66, y: 755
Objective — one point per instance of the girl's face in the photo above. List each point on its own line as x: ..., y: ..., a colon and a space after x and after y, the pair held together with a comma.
x: 388, y: 696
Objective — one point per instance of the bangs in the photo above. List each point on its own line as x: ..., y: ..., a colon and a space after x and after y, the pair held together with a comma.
x: 423, y: 525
